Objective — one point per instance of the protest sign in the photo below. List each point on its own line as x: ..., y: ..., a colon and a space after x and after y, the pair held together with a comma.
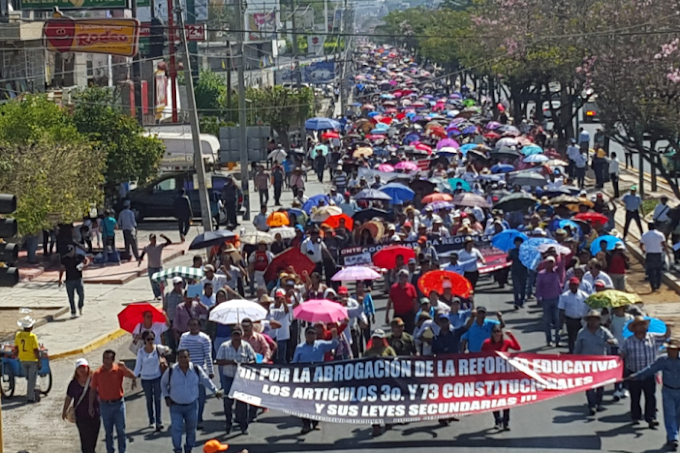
x: 409, y: 389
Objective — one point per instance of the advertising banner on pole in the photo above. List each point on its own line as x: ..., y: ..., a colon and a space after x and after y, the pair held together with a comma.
x: 106, y: 36
x: 411, y: 389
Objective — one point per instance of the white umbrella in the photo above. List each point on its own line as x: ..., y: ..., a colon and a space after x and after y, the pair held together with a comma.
x: 235, y: 311
x: 324, y: 212
x: 253, y: 237
x: 560, y: 249
x: 285, y: 232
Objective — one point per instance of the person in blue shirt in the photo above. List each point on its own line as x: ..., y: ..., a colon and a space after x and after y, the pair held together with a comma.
x: 458, y: 317
x: 479, y: 331
x: 312, y: 351
x: 518, y: 273
x: 179, y: 387
x: 669, y: 365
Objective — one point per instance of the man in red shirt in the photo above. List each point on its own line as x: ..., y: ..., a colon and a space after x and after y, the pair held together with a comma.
x: 404, y: 300
x: 617, y: 263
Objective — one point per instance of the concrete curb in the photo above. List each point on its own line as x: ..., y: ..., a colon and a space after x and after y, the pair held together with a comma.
x: 133, y: 275
x: 91, y: 346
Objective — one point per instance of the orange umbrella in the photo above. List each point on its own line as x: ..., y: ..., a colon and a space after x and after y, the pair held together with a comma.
x: 434, y: 281
x: 334, y: 221
x: 278, y: 219
x: 436, y: 197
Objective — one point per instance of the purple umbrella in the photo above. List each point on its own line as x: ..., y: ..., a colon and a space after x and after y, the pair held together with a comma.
x: 457, y: 121
x: 453, y: 132
x: 469, y: 130
x: 393, y: 82
x: 417, y: 118
x: 428, y: 96
x: 354, y: 273
x: 492, y: 125
x: 447, y: 142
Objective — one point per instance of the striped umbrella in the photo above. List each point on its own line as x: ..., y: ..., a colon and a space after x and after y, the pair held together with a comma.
x: 177, y: 271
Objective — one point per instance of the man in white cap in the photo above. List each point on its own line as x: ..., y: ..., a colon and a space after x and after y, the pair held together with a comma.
x: 28, y: 352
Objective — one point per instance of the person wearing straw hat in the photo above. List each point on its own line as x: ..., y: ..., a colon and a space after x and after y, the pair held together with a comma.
x: 640, y: 351
x: 669, y: 365
x: 28, y: 353
x: 593, y: 339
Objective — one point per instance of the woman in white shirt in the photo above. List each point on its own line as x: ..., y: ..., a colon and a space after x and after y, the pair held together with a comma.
x: 149, y: 366
x: 147, y: 325
x: 469, y: 257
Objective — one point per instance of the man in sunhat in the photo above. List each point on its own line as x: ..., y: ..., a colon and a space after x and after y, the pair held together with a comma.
x: 28, y: 352
x: 640, y: 351
x: 593, y: 339
x: 669, y: 365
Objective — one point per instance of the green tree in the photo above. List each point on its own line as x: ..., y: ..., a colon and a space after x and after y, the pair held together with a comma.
x: 280, y: 108
x: 130, y: 155
x: 211, y: 94
x: 46, y: 163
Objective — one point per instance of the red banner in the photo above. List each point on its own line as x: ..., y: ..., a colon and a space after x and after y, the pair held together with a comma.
x: 409, y: 389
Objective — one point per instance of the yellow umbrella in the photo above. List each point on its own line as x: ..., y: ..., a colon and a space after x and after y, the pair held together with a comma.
x: 278, y: 219
x: 362, y: 152
x: 612, y: 298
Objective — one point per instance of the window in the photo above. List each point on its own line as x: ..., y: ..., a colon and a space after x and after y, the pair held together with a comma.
x: 165, y: 185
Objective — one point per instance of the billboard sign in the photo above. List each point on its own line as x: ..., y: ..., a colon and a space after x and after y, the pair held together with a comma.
x: 318, y: 72
x: 105, y: 36
x: 73, y: 4
x: 261, y: 26
x: 194, y: 32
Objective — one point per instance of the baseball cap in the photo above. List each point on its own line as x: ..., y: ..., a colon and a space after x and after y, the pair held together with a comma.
x: 280, y: 293
x: 213, y: 446
x: 424, y: 300
x: 343, y: 290
x: 442, y: 316
x: 378, y: 333
x: 599, y: 284
x: 411, y: 261
x: 574, y: 281
x: 176, y: 280
x: 82, y: 362
x: 619, y: 246
x: 481, y: 308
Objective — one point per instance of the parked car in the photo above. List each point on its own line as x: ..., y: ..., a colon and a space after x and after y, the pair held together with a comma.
x: 590, y: 112
x: 157, y: 199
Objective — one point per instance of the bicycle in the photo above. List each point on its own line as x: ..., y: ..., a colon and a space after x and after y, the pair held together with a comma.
x: 11, y: 369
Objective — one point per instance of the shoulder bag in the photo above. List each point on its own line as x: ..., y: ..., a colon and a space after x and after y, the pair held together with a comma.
x: 71, y: 411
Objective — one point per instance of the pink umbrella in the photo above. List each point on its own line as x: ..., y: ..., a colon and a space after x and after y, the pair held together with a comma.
x: 447, y: 143
x: 386, y: 168
x: 320, y: 310
x: 407, y: 165
x: 354, y: 273
x: 393, y: 82
x: 424, y: 147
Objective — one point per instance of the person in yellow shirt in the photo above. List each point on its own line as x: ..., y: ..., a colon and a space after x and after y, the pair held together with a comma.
x: 28, y: 352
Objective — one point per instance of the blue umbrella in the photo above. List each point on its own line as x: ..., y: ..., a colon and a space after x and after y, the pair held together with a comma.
x: 505, y: 240
x: 469, y: 130
x: 399, y: 192
x: 379, y: 131
x: 411, y: 138
x: 411, y: 115
x: 529, y: 254
x: 372, y: 194
x: 656, y: 326
x: 467, y: 147
x: 382, y: 126
x: 536, y: 159
x: 314, y: 201
x: 356, y: 104
x: 320, y: 124
x: 387, y: 96
x: 501, y: 168
x: 529, y: 150
x: 372, y: 114
x: 609, y: 239
x: 453, y: 182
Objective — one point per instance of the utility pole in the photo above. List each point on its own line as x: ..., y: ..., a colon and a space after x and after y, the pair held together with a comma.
x: 298, y: 73
x: 325, y: 20
x: 343, y: 93
x: 242, y: 127
x: 229, y: 87
x: 199, y: 163
x: 173, y: 63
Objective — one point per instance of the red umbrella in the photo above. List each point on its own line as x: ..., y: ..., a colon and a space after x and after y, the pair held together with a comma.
x: 334, y: 221
x: 434, y: 281
x: 492, y: 135
x: 133, y: 314
x: 330, y: 134
x: 401, y: 116
x: 424, y: 147
x: 593, y: 217
x: 386, y: 120
x: 387, y: 257
x: 291, y: 257
x: 375, y: 137
x: 436, y: 197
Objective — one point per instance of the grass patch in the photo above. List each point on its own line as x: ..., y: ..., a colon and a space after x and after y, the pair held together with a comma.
x: 648, y: 206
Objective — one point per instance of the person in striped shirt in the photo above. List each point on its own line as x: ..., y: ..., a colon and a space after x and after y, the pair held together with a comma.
x: 340, y: 179
x: 200, y: 350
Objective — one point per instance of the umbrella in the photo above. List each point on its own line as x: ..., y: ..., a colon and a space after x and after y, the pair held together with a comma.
x: 290, y: 257
x: 387, y: 257
x: 324, y: 213
x: 529, y: 254
x: 505, y: 240
x: 501, y: 168
x: 505, y: 152
x: 334, y: 221
x: 536, y: 159
x: 527, y: 178
x: 285, y: 232
x: 656, y: 326
x: 559, y: 249
x: 612, y: 298
x: 515, y: 202
x: 447, y: 143
x: 507, y: 129
x: 314, y: 201
x: 235, y: 311
x: 133, y: 314
x: 609, y: 239
x: 477, y: 154
x: 554, y: 192
x: 470, y: 200
x: 211, y: 238
x: 506, y: 142
x: 454, y: 182
x: 564, y: 199
x: 407, y: 165
x: 253, y: 237
x: 362, y: 152
x: 355, y: 273
x: 368, y: 214
x: 434, y: 280
x: 424, y: 147
x: 398, y: 192
x: 372, y: 194
x: 438, y: 205
x: 531, y: 150
x: 436, y: 197
x: 320, y: 124
x: 278, y: 219
x: 323, y: 149
x: 492, y: 125
x: 330, y: 134
x: 385, y: 167
x: 592, y: 217
x: 178, y: 271
x: 320, y: 310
